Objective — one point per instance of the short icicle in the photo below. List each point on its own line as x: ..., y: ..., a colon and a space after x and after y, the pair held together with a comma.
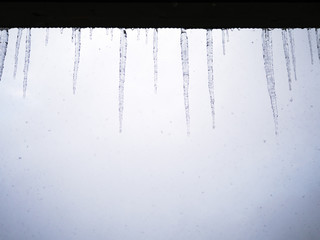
x: 47, y: 37
x: 4, y: 37
x: 155, y: 59
x: 185, y: 71
x: 26, y: 61
x: 77, y: 42
x: 223, y: 42
x: 268, y: 66
x: 122, y: 68
x: 16, y: 55
x: 210, y: 73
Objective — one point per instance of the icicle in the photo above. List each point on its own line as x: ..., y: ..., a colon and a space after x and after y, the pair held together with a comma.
x: 210, y: 73
x: 286, y: 54
x: 310, y: 44
x: 227, y: 34
x: 155, y: 58
x: 111, y: 33
x: 268, y: 66
x: 107, y: 31
x: 73, y: 34
x: 185, y: 71
x: 47, y: 36
x: 76, y: 57
x: 138, y: 34
x: 318, y: 42
x: 90, y: 33
x: 61, y: 30
x: 122, y: 68
x: 26, y: 61
x: 4, y: 37
x: 146, y: 35
x: 223, y: 42
x: 293, y: 55
x: 16, y: 55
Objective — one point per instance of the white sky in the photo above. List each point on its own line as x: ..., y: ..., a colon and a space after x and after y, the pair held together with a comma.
x: 67, y: 173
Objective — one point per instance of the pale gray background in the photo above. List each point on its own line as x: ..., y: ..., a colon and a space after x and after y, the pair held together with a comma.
x: 67, y: 173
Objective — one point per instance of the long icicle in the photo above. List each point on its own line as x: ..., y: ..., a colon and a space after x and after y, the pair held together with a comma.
x: 185, y: 71
x: 4, y: 37
x: 47, y: 36
x: 155, y: 58
x: 77, y: 42
x: 286, y: 54
x: 268, y: 66
x: 210, y: 73
x: 16, y: 55
x: 26, y: 61
x: 293, y: 54
x: 122, y: 68
x: 318, y: 42
x: 310, y: 45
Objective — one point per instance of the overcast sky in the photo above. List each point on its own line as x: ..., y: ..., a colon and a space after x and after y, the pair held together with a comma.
x: 67, y: 173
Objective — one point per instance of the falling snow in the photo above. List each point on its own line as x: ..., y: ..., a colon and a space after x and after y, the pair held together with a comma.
x: 76, y: 57
x: 293, y: 55
x: 210, y: 72
x: 47, y: 36
x: 4, y: 35
x: 185, y: 71
x: 122, y: 68
x: 268, y: 66
x: 155, y: 58
x: 310, y: 44
x: 26, y: 61
x: 16, y: 55
x: 286, y: 54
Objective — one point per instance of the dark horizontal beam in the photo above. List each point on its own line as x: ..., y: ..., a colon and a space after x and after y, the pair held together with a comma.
x: 169, y: 14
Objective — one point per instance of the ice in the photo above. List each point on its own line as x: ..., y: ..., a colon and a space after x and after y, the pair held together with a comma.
x: 61, y: 30
x: 73, y: 33
x: 26, y: 61
x: 285, y: 43
x: 4, y: 36
x: 223, y: 42
x: 185, y: 71
x: 268, y: 66
x: 16, y: 55
x: 155, y: 58
x: 210, y: 73
x: 122, y: 68
x: 293, y: 55
x: 77, y: 43
x: 310, y: 44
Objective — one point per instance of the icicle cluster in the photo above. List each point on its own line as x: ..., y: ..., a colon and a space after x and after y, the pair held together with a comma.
x: 185, y: 71
x: 26, y: 61
x: 155, y: 58
x: 122, y: 68
x: 4, y: 36
x: 268, y: 66
x: 210, y: 73
x: 77, y: 33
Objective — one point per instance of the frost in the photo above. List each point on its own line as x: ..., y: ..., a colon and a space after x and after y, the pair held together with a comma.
x: 4, y: 36
x: 26, y: 61
x: 47, y: 36
x: 268, y: 66
x: 155, y: 58
x: 16, y: 55
x: 210, y: 73
x: 122, y: 68
x: 286, y: 54
x: 292, y: 45
x: 185, y: 71
x: 310, y: 44
x: 77, y: 43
